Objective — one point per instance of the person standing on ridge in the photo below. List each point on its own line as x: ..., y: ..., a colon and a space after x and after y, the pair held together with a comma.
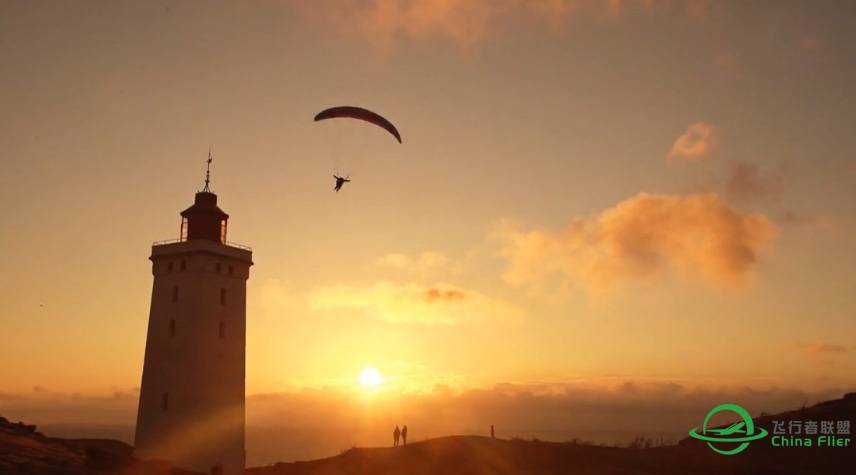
x: 404, y: 435
x: 395, y: 435
x: 492, y: 433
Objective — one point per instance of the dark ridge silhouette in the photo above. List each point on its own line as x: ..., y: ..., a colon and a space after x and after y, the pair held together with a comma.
x: 476, y: 455
x: 24, y: 451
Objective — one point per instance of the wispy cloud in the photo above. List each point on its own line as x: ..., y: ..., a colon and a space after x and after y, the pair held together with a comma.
x: 44, y: 405
x: 819, y: 348
x: 422, y: 263
x: 647, y: 234
x: 466, y: 22
x: 438, y: 304
x: 277, y: 299
x: 820, y: 353
x: 746, y: 182
x: 696, y: 143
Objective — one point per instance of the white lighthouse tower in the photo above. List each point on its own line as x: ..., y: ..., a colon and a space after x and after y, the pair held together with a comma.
x: 191, y: 408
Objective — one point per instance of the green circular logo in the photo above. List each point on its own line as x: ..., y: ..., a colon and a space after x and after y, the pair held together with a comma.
x: 741, y: 432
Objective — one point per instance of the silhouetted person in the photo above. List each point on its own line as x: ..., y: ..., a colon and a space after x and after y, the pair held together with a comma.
x: 339, y: 182
x: 404, y: 435
x: 395, y: 435
x: 492, y: 433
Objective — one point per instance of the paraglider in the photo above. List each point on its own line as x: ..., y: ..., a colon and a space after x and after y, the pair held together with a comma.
x: 339, y: 182
x: 353, y: 112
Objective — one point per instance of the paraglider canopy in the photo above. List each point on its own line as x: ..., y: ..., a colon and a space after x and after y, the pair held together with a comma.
x: 352, y: 112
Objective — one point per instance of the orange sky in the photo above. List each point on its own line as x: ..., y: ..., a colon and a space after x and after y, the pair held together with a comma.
x: 655, y: 191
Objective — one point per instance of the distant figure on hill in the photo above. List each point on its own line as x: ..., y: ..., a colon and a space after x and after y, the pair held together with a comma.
x: 395, y: 435
x: 404, y: 435
x: 492, y: 433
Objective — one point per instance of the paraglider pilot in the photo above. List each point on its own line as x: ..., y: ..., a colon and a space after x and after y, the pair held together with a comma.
x: 339, y: 182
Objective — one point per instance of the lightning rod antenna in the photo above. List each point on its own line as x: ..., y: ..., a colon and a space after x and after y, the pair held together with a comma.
x: 208, y: 171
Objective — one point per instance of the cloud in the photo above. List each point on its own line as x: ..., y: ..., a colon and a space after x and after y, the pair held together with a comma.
x: 820, y: 353
x: 464, y: 22
x: 420, y: 264
x: 44, y: 405
x: 747, y: 183
x: 792, y: 218
x: 439, y: 304
x: 385, y: 22
x: 819, y: 348
x: 697, y: 234
x: 697, y: 143
x: 750, y: 184
x: 437, y: 295
x: 277, y: 299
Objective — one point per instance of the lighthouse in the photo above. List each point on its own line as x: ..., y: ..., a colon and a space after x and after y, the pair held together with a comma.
x: 191, y: 409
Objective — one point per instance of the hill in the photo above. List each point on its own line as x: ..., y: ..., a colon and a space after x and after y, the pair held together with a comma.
x: 24, y: 451
x: 465, y: 455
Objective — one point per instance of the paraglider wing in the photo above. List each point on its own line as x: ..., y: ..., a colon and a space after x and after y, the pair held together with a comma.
x: 353, y: 112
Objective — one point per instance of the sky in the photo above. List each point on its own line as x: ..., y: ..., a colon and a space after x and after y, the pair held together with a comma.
x: 629, y: 201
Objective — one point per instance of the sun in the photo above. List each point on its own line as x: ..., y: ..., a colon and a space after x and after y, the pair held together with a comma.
x: 370, y: 377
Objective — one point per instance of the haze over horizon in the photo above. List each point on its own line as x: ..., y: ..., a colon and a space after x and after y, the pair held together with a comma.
x: 598, y: 206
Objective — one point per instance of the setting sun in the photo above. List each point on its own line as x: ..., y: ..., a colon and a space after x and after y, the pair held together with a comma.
x: 370, y: 377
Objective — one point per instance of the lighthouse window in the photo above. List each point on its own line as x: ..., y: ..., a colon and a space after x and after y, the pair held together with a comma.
x: 183, y: 264
x: 169, y: 266
x: 222, y: 330
x: 175, y: 293
x: 222, y: 296
x: 183, y: 234
x: 219, y: 267
x: 165, y: 402
x: 172, y: 327
x: 231, y: 270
